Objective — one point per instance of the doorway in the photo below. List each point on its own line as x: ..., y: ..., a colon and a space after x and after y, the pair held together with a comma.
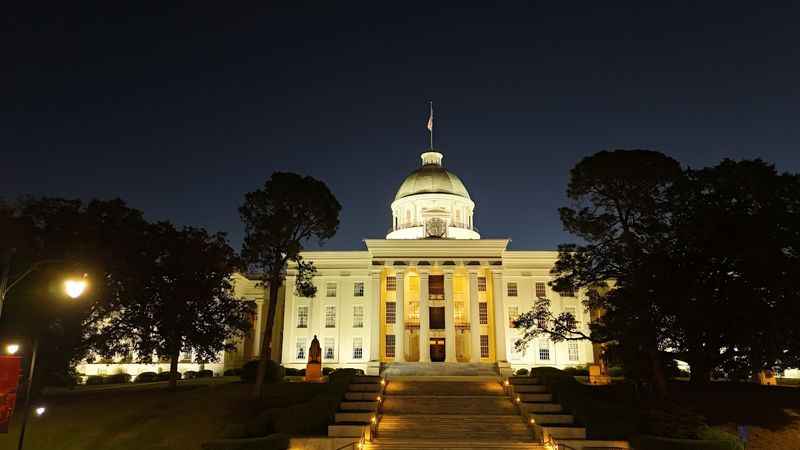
x: 437, y: 350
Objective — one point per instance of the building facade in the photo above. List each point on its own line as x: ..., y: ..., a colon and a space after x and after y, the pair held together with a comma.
x: 432, y: 291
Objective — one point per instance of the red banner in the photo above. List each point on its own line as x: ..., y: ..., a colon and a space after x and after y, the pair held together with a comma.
x: 10, y: 369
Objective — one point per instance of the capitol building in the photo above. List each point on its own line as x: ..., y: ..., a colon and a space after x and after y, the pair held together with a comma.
x: 432, y: 291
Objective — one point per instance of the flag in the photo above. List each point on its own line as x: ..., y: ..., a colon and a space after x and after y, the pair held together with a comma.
x: 430, y: 120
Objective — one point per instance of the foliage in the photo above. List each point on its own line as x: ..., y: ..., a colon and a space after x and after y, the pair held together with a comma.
x: 183, y: 301
x: 279, y: 219
x: 205, y: 373
x: 715, y: 440
x: 146, y: 377
x: 672, y: 422
x: 304, y: 282
x: 94, y: 380
x: 49, y: 239
x: 290, y: 371
x: 117, y: 378
x: 190, y: 374
x: 233, y: 372
x: 577, y: 371
x: 521, y: 372
x: 274, y: 372
x: 327, y: 370
x: 165, y: 376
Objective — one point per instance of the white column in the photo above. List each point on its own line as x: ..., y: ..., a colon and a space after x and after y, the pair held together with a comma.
x: 474, y: 319
x: 400, y: 319
x: 499, y: 316
x: 424, y: 319
x: 449, y: 319
x: 374, y: 319
x: 289, y: 326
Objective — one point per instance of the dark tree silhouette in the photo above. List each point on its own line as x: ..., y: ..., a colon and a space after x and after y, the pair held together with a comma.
x: 182, y: 302
x: 279, y: 218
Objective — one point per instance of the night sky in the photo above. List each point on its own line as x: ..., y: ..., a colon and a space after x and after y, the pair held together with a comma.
x: 182, y: 110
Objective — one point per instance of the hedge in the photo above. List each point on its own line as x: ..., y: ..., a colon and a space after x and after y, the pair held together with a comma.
x: 271, y: 442
x: 250, y: 370
x: 720, y: 442
x: 117, y: 378
x: 146, y: 377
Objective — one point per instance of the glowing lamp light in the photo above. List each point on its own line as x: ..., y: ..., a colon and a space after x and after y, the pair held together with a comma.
x: 518, y: 399
x: 374, y: 419
x: 383, y: 382
x: 378, y: 398
x: 506, y: 382
x: 533, y: 421
x: 74, y: 288
x: 12, y: 349
x: 40, y: 410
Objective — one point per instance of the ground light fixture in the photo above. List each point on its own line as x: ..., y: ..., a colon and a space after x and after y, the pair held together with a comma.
x: 12, y: 349
x: 40, y: 410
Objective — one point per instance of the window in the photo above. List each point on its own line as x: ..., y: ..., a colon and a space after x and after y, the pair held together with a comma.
x: 540, y: 289
x: 436, y: 314
x: 483, y: 313
x: 301, y: 348
x: 330, y: 290
x: 541, y: 323
x: 358, y: 348
x: 481, y: 284
x: 390, y: 346
x: 436, y: 287
x: 572, y: 349
x: 513, y: 314
x: 358, y: 316
x: 544, y: 351
x: 569, y: 292
x: 358, y: 289
x: 328, y: 350
x: 391, y: 283
x: 391, y: 308
x: 302, y: 317
x: 330, y: 316
x: 460, y: 312
x: 511, y: 289
x: 572, y: 323
x: 484, y: 346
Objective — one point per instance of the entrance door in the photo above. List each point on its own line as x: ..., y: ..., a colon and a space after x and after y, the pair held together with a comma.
x: 437, y: 350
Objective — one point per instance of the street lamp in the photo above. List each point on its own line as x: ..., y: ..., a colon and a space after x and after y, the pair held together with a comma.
x: 12, y: 349
x: 74, y: 288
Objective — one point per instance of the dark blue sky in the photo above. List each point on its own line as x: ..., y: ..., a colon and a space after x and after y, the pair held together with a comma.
x: 182, y: 110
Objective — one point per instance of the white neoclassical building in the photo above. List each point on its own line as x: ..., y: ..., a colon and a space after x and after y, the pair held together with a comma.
x: 432, y: 291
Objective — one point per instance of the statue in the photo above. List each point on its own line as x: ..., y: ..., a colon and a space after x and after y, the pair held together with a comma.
x: 314, y: 366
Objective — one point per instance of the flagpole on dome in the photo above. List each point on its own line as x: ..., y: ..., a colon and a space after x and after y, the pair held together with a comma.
x: 430, y: 123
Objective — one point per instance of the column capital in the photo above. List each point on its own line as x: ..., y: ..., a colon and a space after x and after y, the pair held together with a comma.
x: 448, y: 273
x: 425, y: 273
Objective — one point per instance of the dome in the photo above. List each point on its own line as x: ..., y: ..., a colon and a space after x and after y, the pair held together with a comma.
x: 431, y: 178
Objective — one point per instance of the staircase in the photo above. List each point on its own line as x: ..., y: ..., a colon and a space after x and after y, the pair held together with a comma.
x: 537, y: 404
x: 449, y: 413
x: 359, y: 407
x: 400, y: 369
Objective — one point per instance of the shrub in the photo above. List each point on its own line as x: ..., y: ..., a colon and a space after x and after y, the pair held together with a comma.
x: 118, y: 378
x: 233, y: 372
x: 577, y: 371
x: 272, y: 442
x: 94, y: 380
x: 310, y: 418
x: 715, y: 434
x: 672, y: 422
x: 263, y: 424
x: 521, y: 372
x: 646, y: 442
x: 326, y: 370
x: 164, y: 376
x: 292, y: 372
x: 205, y: 373
x: 146, y: 377
x: 273, y: 374
x: 190, y: 374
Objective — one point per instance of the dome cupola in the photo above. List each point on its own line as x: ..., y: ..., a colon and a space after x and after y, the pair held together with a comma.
x: 432, y: 202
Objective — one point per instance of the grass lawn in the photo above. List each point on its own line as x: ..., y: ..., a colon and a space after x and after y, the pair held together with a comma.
x: 134, y: 419
x: 770, y: 413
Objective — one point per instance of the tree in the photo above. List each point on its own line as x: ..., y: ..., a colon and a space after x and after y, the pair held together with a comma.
x: 183, y: 301
x: 279, y: 218
x: 621, y: 211
x: 47, y: 239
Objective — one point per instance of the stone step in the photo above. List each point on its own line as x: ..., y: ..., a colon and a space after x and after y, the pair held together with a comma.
x: 444, y: 388
x: 439, y: 369
x: 364, y: 387
x: 339, y: 430
x: 416, y: 444
x: 365, y: 396
x: 358, y: 406
x: 542, y: 407
x: 438, y: 426
x: 552, y: 419
x: 538, y: 398
x: 366, y: 379
x: 529, y: 388
x: 589, y: 444
x: 566, y: 432
x: 448, y: 405
x: 354, y: 417
x: 524, y: 380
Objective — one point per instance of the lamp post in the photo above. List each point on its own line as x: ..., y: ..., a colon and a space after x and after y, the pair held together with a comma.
x: 73, y: 289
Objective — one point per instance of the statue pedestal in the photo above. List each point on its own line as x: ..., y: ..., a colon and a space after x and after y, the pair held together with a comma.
x: 596, y: 375
x: 313, y: 372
